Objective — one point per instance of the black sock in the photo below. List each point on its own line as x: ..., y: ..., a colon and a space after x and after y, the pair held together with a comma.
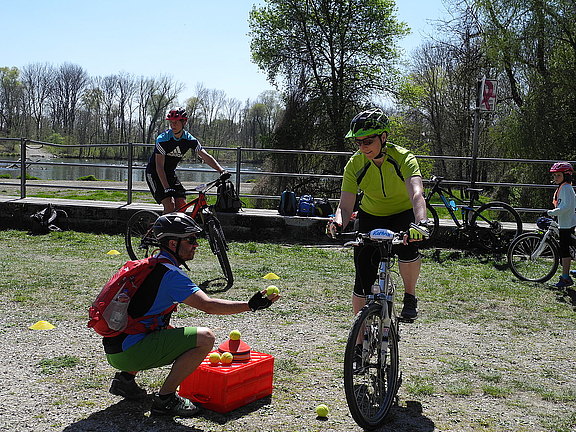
x: 127, y: 376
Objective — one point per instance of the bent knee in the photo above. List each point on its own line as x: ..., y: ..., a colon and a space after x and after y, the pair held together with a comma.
x: 205, y: 337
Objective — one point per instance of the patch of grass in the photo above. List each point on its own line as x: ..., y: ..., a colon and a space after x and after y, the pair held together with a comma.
x: 54, y: 365
x: 495, y: 391
x: 87, y: 178
x: 460, y: 388
x: 421, y: 386
x: 492, y: 377
x: 561, y: 423
x: 457, y: 365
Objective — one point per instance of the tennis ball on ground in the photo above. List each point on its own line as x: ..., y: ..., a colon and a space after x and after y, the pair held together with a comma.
x: 214, y: 358
x: 235, y: 335
x: 226, y: 358
x: 322, y: 410
x: 272, y: 289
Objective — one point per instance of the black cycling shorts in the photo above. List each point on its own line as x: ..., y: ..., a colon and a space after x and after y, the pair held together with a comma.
x: 158, y: 190
x: 367, y: 257
x: 565, y: 235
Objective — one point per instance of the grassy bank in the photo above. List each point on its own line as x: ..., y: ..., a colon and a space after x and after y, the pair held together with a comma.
x: 488, y: 353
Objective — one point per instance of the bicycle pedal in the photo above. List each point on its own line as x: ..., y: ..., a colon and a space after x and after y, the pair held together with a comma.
x: 406, y: 320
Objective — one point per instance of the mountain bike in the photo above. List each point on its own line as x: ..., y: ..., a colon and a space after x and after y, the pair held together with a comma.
x: 535, y: 256
x: 141, y: 242
x: 371, y: 374
x: 490, y: 227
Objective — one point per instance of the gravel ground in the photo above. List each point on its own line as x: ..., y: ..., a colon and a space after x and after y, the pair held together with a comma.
x: 307, y: 372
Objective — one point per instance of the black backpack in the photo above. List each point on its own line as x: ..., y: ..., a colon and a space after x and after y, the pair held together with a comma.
x: 45, y: 220
x: 228, y: 200
x: 323, y: 208
x: 288, y: 204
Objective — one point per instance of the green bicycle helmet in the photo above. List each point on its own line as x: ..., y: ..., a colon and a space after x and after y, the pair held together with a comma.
x: 369, y: 122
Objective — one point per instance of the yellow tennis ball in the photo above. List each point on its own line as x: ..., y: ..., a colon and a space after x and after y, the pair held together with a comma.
x: 235, y: 335
x: 226, y: 358
x: 214, y: 358
x: 322, y: 410
x: 272, y: 289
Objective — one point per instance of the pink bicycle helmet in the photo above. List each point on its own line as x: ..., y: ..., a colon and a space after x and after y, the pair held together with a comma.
x: 177, y: 114
x: 564, y: 167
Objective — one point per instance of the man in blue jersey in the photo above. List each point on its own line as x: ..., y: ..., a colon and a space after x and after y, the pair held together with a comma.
x: 171, y: 145
x: 184, y: 348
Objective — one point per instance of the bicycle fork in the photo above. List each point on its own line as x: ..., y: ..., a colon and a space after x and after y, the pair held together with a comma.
x: 385, y: 297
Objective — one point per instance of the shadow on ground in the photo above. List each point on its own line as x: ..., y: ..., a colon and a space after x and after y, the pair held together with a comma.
x: 134, y: 416
x: 407, y: 419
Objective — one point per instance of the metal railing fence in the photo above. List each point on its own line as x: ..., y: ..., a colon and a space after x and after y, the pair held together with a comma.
x: 240, y: 153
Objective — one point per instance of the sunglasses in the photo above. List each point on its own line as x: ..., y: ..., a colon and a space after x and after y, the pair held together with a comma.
x: 192, y: 240
x: 365, y: 141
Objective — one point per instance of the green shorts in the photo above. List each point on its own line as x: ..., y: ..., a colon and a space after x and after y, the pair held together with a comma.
x: 159, y: 348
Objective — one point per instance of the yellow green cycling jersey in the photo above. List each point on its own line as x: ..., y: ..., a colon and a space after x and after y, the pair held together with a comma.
x: 384, y: 187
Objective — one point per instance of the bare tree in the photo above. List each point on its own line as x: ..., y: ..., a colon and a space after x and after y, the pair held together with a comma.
x: 155, y: 95
x: 126, y: 93
x: 70, y: 81
x: 38, y: 79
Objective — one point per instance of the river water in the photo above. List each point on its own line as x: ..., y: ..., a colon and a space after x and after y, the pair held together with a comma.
x: 59, y: 169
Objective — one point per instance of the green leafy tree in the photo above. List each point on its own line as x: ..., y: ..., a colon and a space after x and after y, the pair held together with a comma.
x: 333, y: 54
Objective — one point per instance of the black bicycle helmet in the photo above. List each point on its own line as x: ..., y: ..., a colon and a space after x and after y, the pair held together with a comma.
x: 177, y: 114
x: 369, y: 122
x: 543, y: 222
x: 175, y: 226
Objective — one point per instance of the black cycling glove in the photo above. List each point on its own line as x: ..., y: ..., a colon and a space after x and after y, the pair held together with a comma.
x: 258, y: 301
x: 225, y: 175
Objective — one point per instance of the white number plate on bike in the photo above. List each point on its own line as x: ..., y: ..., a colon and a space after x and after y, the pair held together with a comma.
x: 381, y: 234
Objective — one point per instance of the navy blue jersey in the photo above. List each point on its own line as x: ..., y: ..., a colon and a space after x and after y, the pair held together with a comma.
x: 174, y: 149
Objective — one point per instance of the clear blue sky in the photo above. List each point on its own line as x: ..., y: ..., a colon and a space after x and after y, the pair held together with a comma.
x: 192, y: 41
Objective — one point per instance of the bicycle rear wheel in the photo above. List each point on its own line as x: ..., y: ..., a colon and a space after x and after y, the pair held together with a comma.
x: 219, y: 247
x: 139, y: 237
x: 531, y: 268
x: 495, y: 224
x: 371, y: 381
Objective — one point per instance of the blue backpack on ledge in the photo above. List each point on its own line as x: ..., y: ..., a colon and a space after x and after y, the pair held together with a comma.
x: 306, y: 206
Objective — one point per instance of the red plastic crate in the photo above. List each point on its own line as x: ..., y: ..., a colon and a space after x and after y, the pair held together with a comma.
x: 224, y: 388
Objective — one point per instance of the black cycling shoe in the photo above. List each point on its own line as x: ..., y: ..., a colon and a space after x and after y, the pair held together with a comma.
x: 175, y: 405
x: 410, y: 310
x: 127, y: 388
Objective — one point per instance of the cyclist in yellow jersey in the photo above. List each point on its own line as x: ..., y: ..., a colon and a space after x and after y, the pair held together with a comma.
x: 393, y: 198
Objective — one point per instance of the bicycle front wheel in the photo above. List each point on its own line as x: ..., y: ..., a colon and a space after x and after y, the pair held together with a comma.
x: 219, y: 248
x: 496, y: 224
x: 139, y: 237
x: 371, y: 376
x: 526, y: 265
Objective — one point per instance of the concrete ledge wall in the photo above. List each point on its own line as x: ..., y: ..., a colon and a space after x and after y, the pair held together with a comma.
x: 111, y: 218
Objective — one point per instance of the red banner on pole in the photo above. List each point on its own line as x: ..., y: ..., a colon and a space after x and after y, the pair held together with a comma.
x: 488, y: 94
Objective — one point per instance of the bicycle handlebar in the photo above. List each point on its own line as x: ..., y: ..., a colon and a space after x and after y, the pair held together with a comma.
x: 203, y: 187
x: 380, y: 235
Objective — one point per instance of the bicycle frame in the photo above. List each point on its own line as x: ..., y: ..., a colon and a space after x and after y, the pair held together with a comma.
x: 443, y: 193
x: 199, y: 202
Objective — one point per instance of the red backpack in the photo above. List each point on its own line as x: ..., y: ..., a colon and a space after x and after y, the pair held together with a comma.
x: 109, y: 312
